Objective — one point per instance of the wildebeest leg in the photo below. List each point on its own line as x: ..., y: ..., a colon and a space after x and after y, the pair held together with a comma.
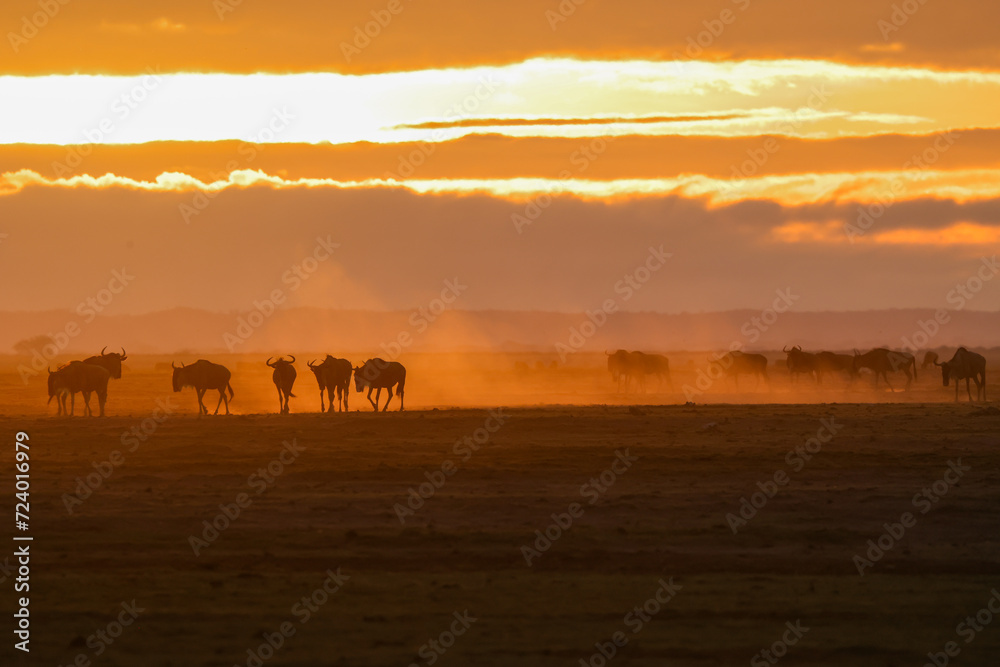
x: 281, y: 400
x: 374, y: 404
x: 87, y: 412
x: 102, y: 398
x: 885, y: 376
x: 388, y: 400
x: 202, y: 410
x: 222, y: 397
x: 72, y: 403
x: 969, y: 391
x: 378, y: 397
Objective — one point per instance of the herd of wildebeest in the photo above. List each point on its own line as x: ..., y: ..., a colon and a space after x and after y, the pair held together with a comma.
x: 627, y: 369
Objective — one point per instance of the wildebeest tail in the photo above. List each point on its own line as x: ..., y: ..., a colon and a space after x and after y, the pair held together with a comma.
x: 229, y: 386
x: 402, y: 383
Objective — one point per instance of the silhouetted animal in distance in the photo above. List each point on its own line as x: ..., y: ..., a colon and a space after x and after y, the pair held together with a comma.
x: 284, y: 379
x: 966, y: 366
x: 78, y: 376
x: 333, y: 375
x: 378, y: 374
x: 930, y: 358
x: 204, y: 375
x: 882, y: 361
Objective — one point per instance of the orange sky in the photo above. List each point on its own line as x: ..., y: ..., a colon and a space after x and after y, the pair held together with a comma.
x: 849, y: 150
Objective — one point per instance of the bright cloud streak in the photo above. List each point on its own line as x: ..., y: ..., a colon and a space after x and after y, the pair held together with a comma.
x: 792, y: 190
x: 802, y: 98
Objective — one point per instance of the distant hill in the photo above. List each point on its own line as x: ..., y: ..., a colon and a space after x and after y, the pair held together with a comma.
x: 197, y: 331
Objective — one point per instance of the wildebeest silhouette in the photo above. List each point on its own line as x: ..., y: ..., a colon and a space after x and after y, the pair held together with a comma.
x: 78, y: 376
x: 830, y: 362
x: 112, y: 362
x: 284, y: 378
x: 627, y: 366
x: 204, y: 375
x: 882, y: 361
x: 736, y: 363
x: 965, y: 365
x: 930, y: 358
x: 378, y: 374
x: 333, y: 375
x: 801, y: 363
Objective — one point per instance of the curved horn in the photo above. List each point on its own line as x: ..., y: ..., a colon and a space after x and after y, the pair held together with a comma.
x: 310, y: 364
x: 269, y: 362
x: 293, y: 358
x: 173, y: 365
x: 124, y: 356
x: 784, y: 350
x: 49, y: 369
x: 937, y: 364
x: 102, y: 351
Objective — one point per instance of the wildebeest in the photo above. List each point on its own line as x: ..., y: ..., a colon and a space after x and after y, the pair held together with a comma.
x: 801, y: 363
x: 829, y: 362
x: 930, y: 358
x: 284, y: 378
x: 379, y: 374
x: 738, y: 363
x: 882, y: 361
x: 204, y: 375
x: 966, y: 366
x: 333, y: 376
x: 619, y: 366
x: 624, y: 365
x: 78, y: 376
x: 112, y: 362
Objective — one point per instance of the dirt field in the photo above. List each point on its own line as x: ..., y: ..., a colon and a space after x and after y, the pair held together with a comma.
x: 642, y: 493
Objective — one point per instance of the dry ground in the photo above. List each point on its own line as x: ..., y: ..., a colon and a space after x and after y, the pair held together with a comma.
x: 664, y: 517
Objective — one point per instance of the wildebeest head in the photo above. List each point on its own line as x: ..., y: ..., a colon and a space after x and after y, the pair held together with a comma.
x: 281, y: 362
x: 178, y: 378
x: 945, y: 372
x: 110, y: 361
